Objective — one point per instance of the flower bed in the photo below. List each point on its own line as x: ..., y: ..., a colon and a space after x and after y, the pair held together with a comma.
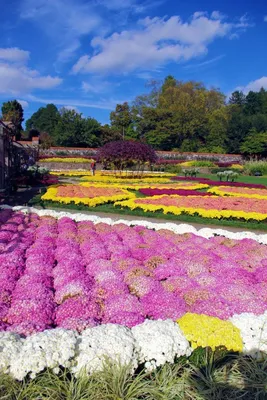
x: 179, y: 192
x: 60, y: 276
x: 207, y: 207
x: 75, y: 160
x: 240, y: 192
x: 219, y: 183
x: 185, y: 185
x: 91, y: 196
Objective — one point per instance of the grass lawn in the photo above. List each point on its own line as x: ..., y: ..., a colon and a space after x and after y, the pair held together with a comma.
x: 261, y: 180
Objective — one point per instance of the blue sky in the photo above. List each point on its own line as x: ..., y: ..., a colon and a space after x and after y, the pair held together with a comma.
x: 92, y: 54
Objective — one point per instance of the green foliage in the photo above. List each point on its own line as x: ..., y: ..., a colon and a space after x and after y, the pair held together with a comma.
x: 203, y: 163
x: 207, y: 375
x: 73, y: 130
x: 252, y: 167
x: 12, y: 111
x: 45, y: 119
x: 255, y: 143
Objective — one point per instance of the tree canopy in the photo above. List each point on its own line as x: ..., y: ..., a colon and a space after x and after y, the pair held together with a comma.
x: 12, y: 111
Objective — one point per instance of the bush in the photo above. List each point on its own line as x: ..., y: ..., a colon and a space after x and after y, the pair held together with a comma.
x: 252, y: 167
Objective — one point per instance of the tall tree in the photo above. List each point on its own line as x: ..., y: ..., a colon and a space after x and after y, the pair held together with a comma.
x: 44, y: 119
x: 74, y: 130
x: 238, y: 98
x: 121, y: 118
x: 12, y: 111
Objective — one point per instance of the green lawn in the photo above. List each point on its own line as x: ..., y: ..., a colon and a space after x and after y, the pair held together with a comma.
x: 262, y: 180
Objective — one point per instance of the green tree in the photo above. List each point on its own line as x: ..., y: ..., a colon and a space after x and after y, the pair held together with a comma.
x: 121, y: 118
x: 108, y: 134
x: 13, y: 111
x: 44, y: 119
x: 218, y: 122
x: 255, y: 144
x: 238, y: 98
x: 73, y: 130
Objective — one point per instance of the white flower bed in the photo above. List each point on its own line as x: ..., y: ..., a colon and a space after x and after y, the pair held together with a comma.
x: 176, y: 228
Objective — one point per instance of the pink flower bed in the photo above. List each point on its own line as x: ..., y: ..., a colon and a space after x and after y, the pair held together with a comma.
x: 179, y: 192
x: 219, y: 183
x: 77, y: 275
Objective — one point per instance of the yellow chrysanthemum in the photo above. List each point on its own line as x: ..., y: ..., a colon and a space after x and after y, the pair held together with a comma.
x: 204, y: 331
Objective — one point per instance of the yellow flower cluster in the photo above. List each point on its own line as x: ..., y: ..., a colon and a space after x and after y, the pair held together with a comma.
x: 209, y: 213
x: 71, y: 173
x: 76, y: 160
x: 133, y: 186
x: 204, y: 331
x: 237, y: 166
x: 52, y: 195
x: 113, y: 179
x: 222, y: 191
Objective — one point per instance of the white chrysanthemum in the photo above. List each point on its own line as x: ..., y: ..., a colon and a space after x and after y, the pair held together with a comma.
x: 110, y: 341
x: 160, y: 342
x: 253, y: 330
x: 10, y: 346
x: 49, y: 349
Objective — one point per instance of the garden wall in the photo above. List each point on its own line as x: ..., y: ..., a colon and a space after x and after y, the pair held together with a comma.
x: 168, y: 155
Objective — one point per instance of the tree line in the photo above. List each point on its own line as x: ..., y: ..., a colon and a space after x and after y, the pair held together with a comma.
x: 173, y: 115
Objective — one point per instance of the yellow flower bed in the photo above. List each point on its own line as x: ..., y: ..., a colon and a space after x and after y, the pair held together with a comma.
x: 71, y: 173
x: 66, y: 160
x: 250, y: 193
x: 148, y: 204
x: 133, y: 186
x: 204, y: 331
x: 93, y: 196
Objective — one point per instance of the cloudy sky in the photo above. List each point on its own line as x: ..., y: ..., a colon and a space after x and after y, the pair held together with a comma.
x: 91, y: 54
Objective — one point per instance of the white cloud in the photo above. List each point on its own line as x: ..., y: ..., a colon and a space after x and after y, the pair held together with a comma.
x: 65, y: 21
x: 205, y: 63
x: 217, y: 15
x: 109, y: 104
x: 265, y: 18
x: 17, y: 78
x: 155, y: 42
x: 23, y: 103
x: 13, y: 54
x: 254, y: 86
x: 72, y: 108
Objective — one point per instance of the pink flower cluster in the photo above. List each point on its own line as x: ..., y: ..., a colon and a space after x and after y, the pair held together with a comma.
x: 179, y: 192
x: 76, y: 275
x: 219, y: 183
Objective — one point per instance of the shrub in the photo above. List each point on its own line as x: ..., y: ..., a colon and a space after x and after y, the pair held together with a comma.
x: 228, y: 175
x: 252, y: 167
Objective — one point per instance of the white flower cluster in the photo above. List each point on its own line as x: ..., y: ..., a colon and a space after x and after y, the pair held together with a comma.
x: 176, y: 228
x: 159, y: 342
x: 110, y: 341
x: 253, y: 329
x: 10, y: 346
x: 153, y: 342
x: 48, y: 349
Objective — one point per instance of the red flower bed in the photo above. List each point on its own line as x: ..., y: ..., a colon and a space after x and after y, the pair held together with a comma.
x: 219, y: 183
x: 179, y: 192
